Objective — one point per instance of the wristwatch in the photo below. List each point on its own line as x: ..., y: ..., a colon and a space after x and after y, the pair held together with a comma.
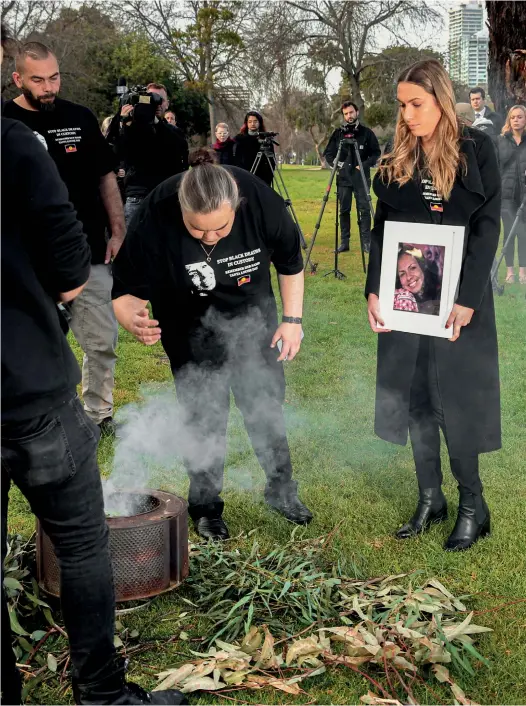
x: 291, y: 319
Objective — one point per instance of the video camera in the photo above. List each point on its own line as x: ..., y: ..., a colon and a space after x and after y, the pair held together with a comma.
x: 144, y: 103
x: 266, y: 139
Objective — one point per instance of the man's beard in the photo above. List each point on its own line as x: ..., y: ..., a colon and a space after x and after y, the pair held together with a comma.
x: 38, y: 103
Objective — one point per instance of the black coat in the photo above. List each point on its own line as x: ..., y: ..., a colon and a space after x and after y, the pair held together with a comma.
x: 225, y: 151
x: 495, y: 118
x: 512, y: 158
x: 245, y: 152
x: 369, y: 154
x: 468, y: 373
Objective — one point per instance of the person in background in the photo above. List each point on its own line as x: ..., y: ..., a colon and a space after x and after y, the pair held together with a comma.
x: 49, y: 445
x: 201, y: 251
x: 170, y: 118
x: 440, y: 172
x: 224, y: 145
x: 105, y: 126
x: 477, y: 98
x: 248, y: 145
x: 466, y: 115
x: 511, y: 146
x: 150, y: 151
x: 349, y: 179
x: 72, y: 136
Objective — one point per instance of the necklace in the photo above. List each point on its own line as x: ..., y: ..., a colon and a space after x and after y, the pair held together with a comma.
x: 209, y: 254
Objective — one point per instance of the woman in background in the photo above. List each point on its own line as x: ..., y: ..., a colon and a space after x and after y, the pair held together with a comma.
x: 512, y: 157
x: 248, y: 145
x: 440, y: 172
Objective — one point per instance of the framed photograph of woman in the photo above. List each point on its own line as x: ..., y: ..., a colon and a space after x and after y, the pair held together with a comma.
x: 420, y: 274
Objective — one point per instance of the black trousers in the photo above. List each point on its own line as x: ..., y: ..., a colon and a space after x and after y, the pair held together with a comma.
x: 426, y: 418
x: 508, y: 213
x: 345, y: 194
x: 203, y: 390
x: 53, y: 460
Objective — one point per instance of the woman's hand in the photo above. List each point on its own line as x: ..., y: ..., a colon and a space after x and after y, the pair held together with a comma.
x: 290, y: 336
x: 373, y: 312
x: 133, y: 315
x: 460, y: 316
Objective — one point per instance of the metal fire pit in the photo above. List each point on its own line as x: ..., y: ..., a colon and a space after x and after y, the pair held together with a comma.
x: 149, y: 550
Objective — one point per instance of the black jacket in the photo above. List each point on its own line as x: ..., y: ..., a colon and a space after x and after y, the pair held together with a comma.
x: 468, y: 373
x: 150, y: 153
x: 225, y: 151
x: 44, y: 252
x: 245, y: 152
x: 512, y: 158
x: 369, y: 154
x: 495, y: 118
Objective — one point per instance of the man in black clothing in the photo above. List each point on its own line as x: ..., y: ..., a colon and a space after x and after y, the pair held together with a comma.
x: 349, y: 180
x: 49, y: 445
x: 150, y: 151
x: 477, y: 97
x: 72, y: 136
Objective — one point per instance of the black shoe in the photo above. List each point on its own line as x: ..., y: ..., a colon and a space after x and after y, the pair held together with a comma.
x: 211, y: 528
x: 431, y: 509
x: 108, y: 427
x: 112, y: 688
x: 285, y: 501
x: 473, y: 522
x: 344, y: 247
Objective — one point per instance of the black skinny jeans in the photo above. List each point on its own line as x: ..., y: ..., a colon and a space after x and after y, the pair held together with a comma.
x: 53, y: 460
x: 203, y: 390
x: 364, y: 214
x: 426, y: 418
x: 508, y: 213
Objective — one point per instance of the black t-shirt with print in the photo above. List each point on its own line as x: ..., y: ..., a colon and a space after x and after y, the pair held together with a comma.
x: 432, y: 197
x: 161, y: 262
x: 73, y: 139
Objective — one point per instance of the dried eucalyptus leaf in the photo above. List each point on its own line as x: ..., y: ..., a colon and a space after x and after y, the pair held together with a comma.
x: 441, y: 673
x: 52, y: 662
x: 299, y: 648
x: 285, y: 686
x: 172, y: 677
x: 436, y: 584
x: 201, y: 684
x: 453, y: 631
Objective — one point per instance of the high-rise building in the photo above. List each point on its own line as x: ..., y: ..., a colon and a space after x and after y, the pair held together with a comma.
x: 468, y: 44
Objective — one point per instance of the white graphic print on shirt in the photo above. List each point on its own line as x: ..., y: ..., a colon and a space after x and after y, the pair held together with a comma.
x: 202, y: 276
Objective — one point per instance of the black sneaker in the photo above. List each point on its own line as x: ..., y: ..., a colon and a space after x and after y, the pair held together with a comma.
x: 116, y: 690
x: 108, y: 427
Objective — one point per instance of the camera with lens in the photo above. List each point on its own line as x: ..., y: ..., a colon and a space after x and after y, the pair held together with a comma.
x: 144, y: 103
x: 266, y: 139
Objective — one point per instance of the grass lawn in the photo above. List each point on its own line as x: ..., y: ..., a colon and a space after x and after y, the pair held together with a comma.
x: 346, y: 473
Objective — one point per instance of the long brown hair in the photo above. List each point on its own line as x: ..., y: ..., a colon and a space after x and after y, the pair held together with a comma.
x: 444, y: 157
x: 507, y: 124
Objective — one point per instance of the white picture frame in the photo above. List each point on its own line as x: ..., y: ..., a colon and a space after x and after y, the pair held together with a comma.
x: 443, y: 243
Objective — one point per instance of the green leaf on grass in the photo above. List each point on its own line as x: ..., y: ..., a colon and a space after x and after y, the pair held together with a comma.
x: 15, y: 625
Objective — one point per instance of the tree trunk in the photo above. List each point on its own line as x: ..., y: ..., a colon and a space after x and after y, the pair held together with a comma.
x: 507, y: 54
x: 356, y: 95
x: 211, y: 111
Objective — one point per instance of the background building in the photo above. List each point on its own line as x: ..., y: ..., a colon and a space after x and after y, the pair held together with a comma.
x: 468, y: 44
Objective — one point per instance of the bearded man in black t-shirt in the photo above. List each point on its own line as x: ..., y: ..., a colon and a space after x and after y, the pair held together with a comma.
x: 71, y: 134
x: 200, y: 249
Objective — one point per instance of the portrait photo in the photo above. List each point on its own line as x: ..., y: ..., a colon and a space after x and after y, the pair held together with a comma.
x: 418, y: 282
x: 420, y: 274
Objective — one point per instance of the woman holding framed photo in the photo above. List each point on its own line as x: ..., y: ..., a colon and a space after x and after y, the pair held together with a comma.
x: 440, y: 172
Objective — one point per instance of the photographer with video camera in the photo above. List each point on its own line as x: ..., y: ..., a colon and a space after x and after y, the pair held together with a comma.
x: 249, y: 142
x: 349, y: 179
x: 150, y: 148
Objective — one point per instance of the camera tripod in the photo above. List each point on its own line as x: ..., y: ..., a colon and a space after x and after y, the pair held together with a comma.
x: 266, y: 152
x: 499, y: 288
x: 337, y: 273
